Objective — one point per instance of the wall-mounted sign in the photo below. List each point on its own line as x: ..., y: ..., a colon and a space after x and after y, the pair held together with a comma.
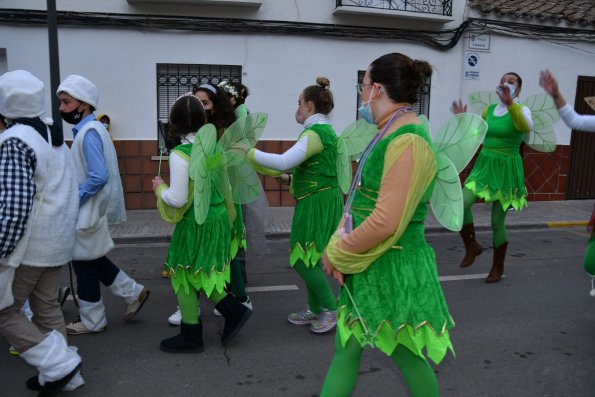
x: 479, y: 42
x: 471, y: 67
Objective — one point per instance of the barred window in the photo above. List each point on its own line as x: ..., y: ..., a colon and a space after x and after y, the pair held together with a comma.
x: 422, y: 106
x: 174, y: 80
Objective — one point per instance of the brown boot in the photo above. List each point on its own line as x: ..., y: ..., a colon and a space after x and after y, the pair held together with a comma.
x: 472, y: 247
x: 498, y: 265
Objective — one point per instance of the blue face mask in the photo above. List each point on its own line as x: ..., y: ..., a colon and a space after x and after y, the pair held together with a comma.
x: 365, y: 111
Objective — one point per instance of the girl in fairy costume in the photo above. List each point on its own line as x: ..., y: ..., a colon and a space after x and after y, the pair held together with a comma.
x: 314, y: 185
x: 391, y: 297
x: 199, y: 254
x: 497, y: 175
x: 220, y: 113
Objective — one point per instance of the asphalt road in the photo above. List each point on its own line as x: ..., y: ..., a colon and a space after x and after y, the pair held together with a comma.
x: 533, y: 334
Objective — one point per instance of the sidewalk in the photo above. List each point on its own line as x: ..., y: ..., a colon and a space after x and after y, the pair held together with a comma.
x: 145, y: 226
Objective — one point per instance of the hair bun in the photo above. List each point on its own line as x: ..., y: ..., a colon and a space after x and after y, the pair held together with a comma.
x: 323, y: 82
x: 422, y: 68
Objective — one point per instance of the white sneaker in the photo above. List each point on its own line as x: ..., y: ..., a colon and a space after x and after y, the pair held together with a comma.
x: 247, y: 303
x: 176, y: 318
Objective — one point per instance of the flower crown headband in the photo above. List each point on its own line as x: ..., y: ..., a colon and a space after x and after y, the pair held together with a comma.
x: 230, y: 89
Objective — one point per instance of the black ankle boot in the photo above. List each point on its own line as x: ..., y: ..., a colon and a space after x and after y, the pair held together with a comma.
x: 189, y: 340
x: 235, y: 315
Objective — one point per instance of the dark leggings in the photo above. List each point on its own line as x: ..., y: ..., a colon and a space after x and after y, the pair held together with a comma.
x: 90, y: 273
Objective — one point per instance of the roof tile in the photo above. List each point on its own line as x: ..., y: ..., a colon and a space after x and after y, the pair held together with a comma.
x: 581, y: 12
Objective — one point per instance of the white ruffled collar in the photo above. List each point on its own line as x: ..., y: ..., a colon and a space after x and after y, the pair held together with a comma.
x: 317, y: 118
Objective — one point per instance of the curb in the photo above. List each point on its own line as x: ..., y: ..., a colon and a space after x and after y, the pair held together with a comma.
x: 136, y: 239
x: 433, y: 229
x: 562, y: 224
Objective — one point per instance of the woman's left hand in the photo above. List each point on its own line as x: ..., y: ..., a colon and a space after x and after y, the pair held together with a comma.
x: 329, y: 269
x: 157, y: 181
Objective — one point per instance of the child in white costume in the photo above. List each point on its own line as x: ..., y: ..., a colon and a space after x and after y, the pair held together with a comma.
x: 37, y: 187
x: 101, y: 204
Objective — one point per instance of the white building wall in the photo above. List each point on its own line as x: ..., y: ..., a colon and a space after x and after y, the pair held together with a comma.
x: 276, y: 67
x: 312, y: 11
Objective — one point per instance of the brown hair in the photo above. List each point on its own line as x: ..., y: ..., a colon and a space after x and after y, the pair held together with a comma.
x: 186, y: 115
x: 400, y: 75
x: 320, y: 95
x: 222, y: 114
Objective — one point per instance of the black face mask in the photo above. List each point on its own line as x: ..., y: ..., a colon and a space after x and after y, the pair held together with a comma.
x: 72, y: 117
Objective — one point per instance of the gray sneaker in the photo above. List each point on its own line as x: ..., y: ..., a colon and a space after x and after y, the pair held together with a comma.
x: 326, y: 322
x: 304, y: 317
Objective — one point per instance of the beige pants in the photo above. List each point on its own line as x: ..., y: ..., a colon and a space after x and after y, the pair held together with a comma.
x: 40, y: 286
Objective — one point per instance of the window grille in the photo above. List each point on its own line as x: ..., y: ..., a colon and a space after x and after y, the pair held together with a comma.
x: 174, y: 80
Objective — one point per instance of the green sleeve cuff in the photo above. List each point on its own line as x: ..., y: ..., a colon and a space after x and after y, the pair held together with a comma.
x: 259, y: 168
x: 518, y: 119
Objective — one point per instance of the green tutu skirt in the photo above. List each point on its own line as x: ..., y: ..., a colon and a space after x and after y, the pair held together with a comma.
x: 199, y: 255
x: 400, y: 301
x: 498, y: 176
x: 315, y: 219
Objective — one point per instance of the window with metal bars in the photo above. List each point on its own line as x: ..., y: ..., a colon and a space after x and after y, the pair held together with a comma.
x: 174, y: 80
x: 422, y: 106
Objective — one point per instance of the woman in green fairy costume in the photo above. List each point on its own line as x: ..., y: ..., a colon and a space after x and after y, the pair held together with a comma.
x: 497, y: 176
x: 390, y: 298
x: 199, y: 254
x: 314, y: 185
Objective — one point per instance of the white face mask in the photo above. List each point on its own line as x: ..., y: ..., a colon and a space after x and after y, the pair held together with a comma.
x: 106, y: 125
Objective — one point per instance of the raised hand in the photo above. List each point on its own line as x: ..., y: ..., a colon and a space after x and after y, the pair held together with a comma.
x: 549, y: 83
x: 458, y: 107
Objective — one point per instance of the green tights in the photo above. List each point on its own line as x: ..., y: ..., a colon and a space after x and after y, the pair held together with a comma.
x: 320, y: 294
x: 342, y: 374
x: 188, y: 303
x: 498, y: 217
x: 589, y: 261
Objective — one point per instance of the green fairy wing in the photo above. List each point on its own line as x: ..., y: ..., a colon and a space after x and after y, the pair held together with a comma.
x: 455, y: 145
x: 356, y: 137
x: 350, y: 144
x: 235, y: 143
x: 460, y: 137
x: 446, y: 200
x: 478, y: 100
x: 204, y: 158
x: 545, y: 115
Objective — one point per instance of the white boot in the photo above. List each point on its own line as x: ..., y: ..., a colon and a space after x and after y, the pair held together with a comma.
x: 93, y: 318
x: 126, y: 287
x: 55, y: 360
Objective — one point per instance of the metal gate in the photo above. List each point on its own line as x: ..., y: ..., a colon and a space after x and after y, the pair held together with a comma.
x: 581, y: 171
